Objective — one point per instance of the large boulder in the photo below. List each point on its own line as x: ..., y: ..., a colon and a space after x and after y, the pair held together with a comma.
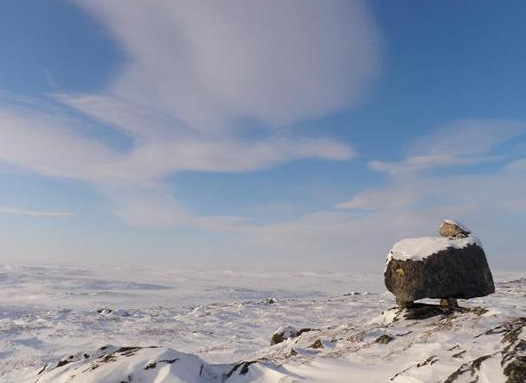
x: 437, y: 267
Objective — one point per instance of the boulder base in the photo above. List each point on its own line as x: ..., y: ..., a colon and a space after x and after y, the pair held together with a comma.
x: 450, y: 273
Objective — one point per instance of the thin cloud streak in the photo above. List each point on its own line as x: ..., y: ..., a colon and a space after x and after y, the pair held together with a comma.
x: 456, y: 144
x: 35, y: 213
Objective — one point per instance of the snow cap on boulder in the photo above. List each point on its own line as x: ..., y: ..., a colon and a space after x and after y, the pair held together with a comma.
x: 448, y: 267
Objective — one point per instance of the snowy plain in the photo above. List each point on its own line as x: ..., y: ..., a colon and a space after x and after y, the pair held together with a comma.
x: 215, y: 326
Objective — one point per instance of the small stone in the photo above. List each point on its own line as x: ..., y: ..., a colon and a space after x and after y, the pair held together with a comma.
x: 317, y: 344
x: 449, y: 302
x: 479, y: 310
x: 284, y: 333
x: 384, y: 339
x: 452, y: 229
x: 404, y: 304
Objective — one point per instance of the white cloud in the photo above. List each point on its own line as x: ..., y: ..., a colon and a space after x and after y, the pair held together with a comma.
x: 416, y: 163
x: 53, y: 146
x: 35, y: 213
x: 192, y: 70
x: 48, y: 145
x: 207, y: 63
x: 398, y: 196
x: 463, y: 142
x: 467, y: 137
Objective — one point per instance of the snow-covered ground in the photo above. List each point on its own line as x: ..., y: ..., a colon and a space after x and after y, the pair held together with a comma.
x: 99, y: 325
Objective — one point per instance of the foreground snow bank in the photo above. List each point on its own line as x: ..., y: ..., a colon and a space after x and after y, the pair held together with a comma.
x: 45, y: 319
x: 425, y: 343
x: 126, y: 365
x: 150, y: 365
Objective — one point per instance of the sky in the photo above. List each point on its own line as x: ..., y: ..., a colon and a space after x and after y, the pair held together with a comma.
x: 245, y: 134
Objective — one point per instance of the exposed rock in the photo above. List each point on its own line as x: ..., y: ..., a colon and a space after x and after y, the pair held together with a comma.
x: 479, y: 310
x: 449, y: 302
x: 516, y: 370
x: 424, y: 311
x: 514, y: 352
x: 452, y: 229
x: 512, y: 356
x: 243, y: 368
x: 104, y: 311
x: 428, y: 362
x: 317, y: 344
x: 438, y: 268
x: 383, y: 339
x: 470, y: 367
x: 286, y: 332
x: 404, y: 304
x: 283, y: 333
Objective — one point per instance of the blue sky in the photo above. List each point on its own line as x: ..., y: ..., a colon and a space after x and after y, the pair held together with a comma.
x: 302, y: 135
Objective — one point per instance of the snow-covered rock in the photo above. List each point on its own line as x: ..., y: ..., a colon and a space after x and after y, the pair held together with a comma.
x: 452, y: 228
x: 438, y: 267
x: 286, y: 332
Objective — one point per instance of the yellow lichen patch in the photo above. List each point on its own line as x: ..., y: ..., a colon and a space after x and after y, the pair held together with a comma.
x: 400, y: 272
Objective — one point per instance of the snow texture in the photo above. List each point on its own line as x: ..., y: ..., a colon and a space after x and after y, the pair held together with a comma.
x: 80, y: 325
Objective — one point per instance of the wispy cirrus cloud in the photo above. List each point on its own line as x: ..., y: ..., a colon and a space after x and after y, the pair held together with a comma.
x: 193, y: 70
x: 456, y: 144
x: 47, y: 144
x: 206, y: 63
x: 35, y: 213
x: 462, y: 142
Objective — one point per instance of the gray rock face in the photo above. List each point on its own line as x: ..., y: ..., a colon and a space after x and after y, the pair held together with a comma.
x: 450, y: 273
